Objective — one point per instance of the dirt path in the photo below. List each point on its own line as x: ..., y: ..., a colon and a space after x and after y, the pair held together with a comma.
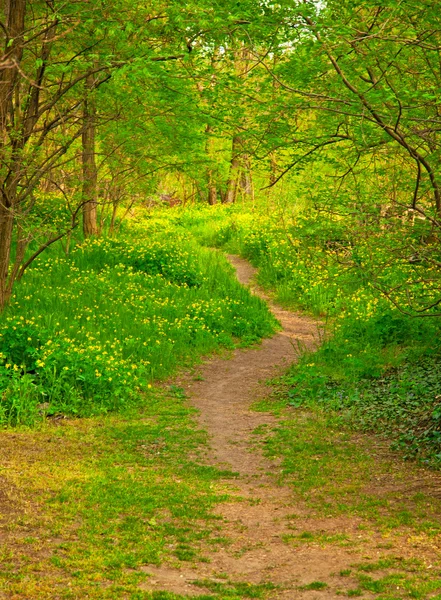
x: 256, y: 526
x: 230, y: 387
x: 260, y: 516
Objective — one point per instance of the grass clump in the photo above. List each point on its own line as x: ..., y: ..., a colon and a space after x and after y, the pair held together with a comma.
x: 314, y: 585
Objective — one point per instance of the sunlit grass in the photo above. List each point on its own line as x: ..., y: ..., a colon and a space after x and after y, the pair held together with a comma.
x: 87, y: 332
x: 105, y: 498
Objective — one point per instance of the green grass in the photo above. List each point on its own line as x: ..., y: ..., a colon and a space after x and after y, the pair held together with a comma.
x: 314, y: 585
x: 109, y: 495
x: 237, y: 590
x: 398, y: 585
x: 332, y: 472
x: 86, y: 333
x: 379, y: 369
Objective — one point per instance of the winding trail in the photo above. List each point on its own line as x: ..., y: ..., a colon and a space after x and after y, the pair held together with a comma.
x: 256, y: 525
x: 261, y: 513
x: 230, y: 387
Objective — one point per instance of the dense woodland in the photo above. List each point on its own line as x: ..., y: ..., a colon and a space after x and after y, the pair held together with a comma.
x: 313, y: 127
x: 107, y: 108
x: 140, y: 142
x: 320, y: 121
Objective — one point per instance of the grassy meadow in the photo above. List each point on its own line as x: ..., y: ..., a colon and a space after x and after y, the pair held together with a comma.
x: 89, y: 332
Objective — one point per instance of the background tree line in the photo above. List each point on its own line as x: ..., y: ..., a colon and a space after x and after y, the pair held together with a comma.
x: 102, y: 107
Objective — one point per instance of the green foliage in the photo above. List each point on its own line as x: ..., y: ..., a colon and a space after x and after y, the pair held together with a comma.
x: 88, y: 332
x: 377, y: 367
x: 403, y: 402
x: 314, y: 585
x: 173, y: 261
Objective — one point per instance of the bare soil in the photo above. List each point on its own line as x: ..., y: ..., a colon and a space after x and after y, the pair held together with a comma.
x: 259, y: 515
x: 229, y: 388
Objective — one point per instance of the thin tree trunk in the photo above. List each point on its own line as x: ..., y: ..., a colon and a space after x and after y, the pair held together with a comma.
x: 13, y: 16
x: 90, y: 177
x: 113, y: 217
x: 234, y: 177
x: 246, y: 180
x: 240, y: 168
x: 212, y: 191
x: 6, y: 229
x: 21, y: 245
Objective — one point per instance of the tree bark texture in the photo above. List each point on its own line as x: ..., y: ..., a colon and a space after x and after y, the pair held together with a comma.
x: 13, y: 19
x: 89, y: 191
x: 6, y: 228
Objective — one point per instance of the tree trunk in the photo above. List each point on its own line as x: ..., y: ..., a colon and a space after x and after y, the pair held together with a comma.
x: 113, y: 217
x: 212, y: 191
x: 212, y: 194
x: 240, y: 173
x: 89, y: 191
x: 13, y: 16
x: 246, y: 178
x: 233, y: 179
x: 6, y: 229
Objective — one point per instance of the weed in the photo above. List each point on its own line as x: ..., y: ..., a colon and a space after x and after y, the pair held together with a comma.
x: 314, y: 585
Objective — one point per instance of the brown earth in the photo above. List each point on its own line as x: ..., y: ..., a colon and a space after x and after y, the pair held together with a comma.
x: 259, y: 515
x: 256, y: 552
x: 230, y: 387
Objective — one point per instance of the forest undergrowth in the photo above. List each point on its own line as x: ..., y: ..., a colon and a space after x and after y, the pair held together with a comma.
x: 136, y: 308
x: 379, y: 367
